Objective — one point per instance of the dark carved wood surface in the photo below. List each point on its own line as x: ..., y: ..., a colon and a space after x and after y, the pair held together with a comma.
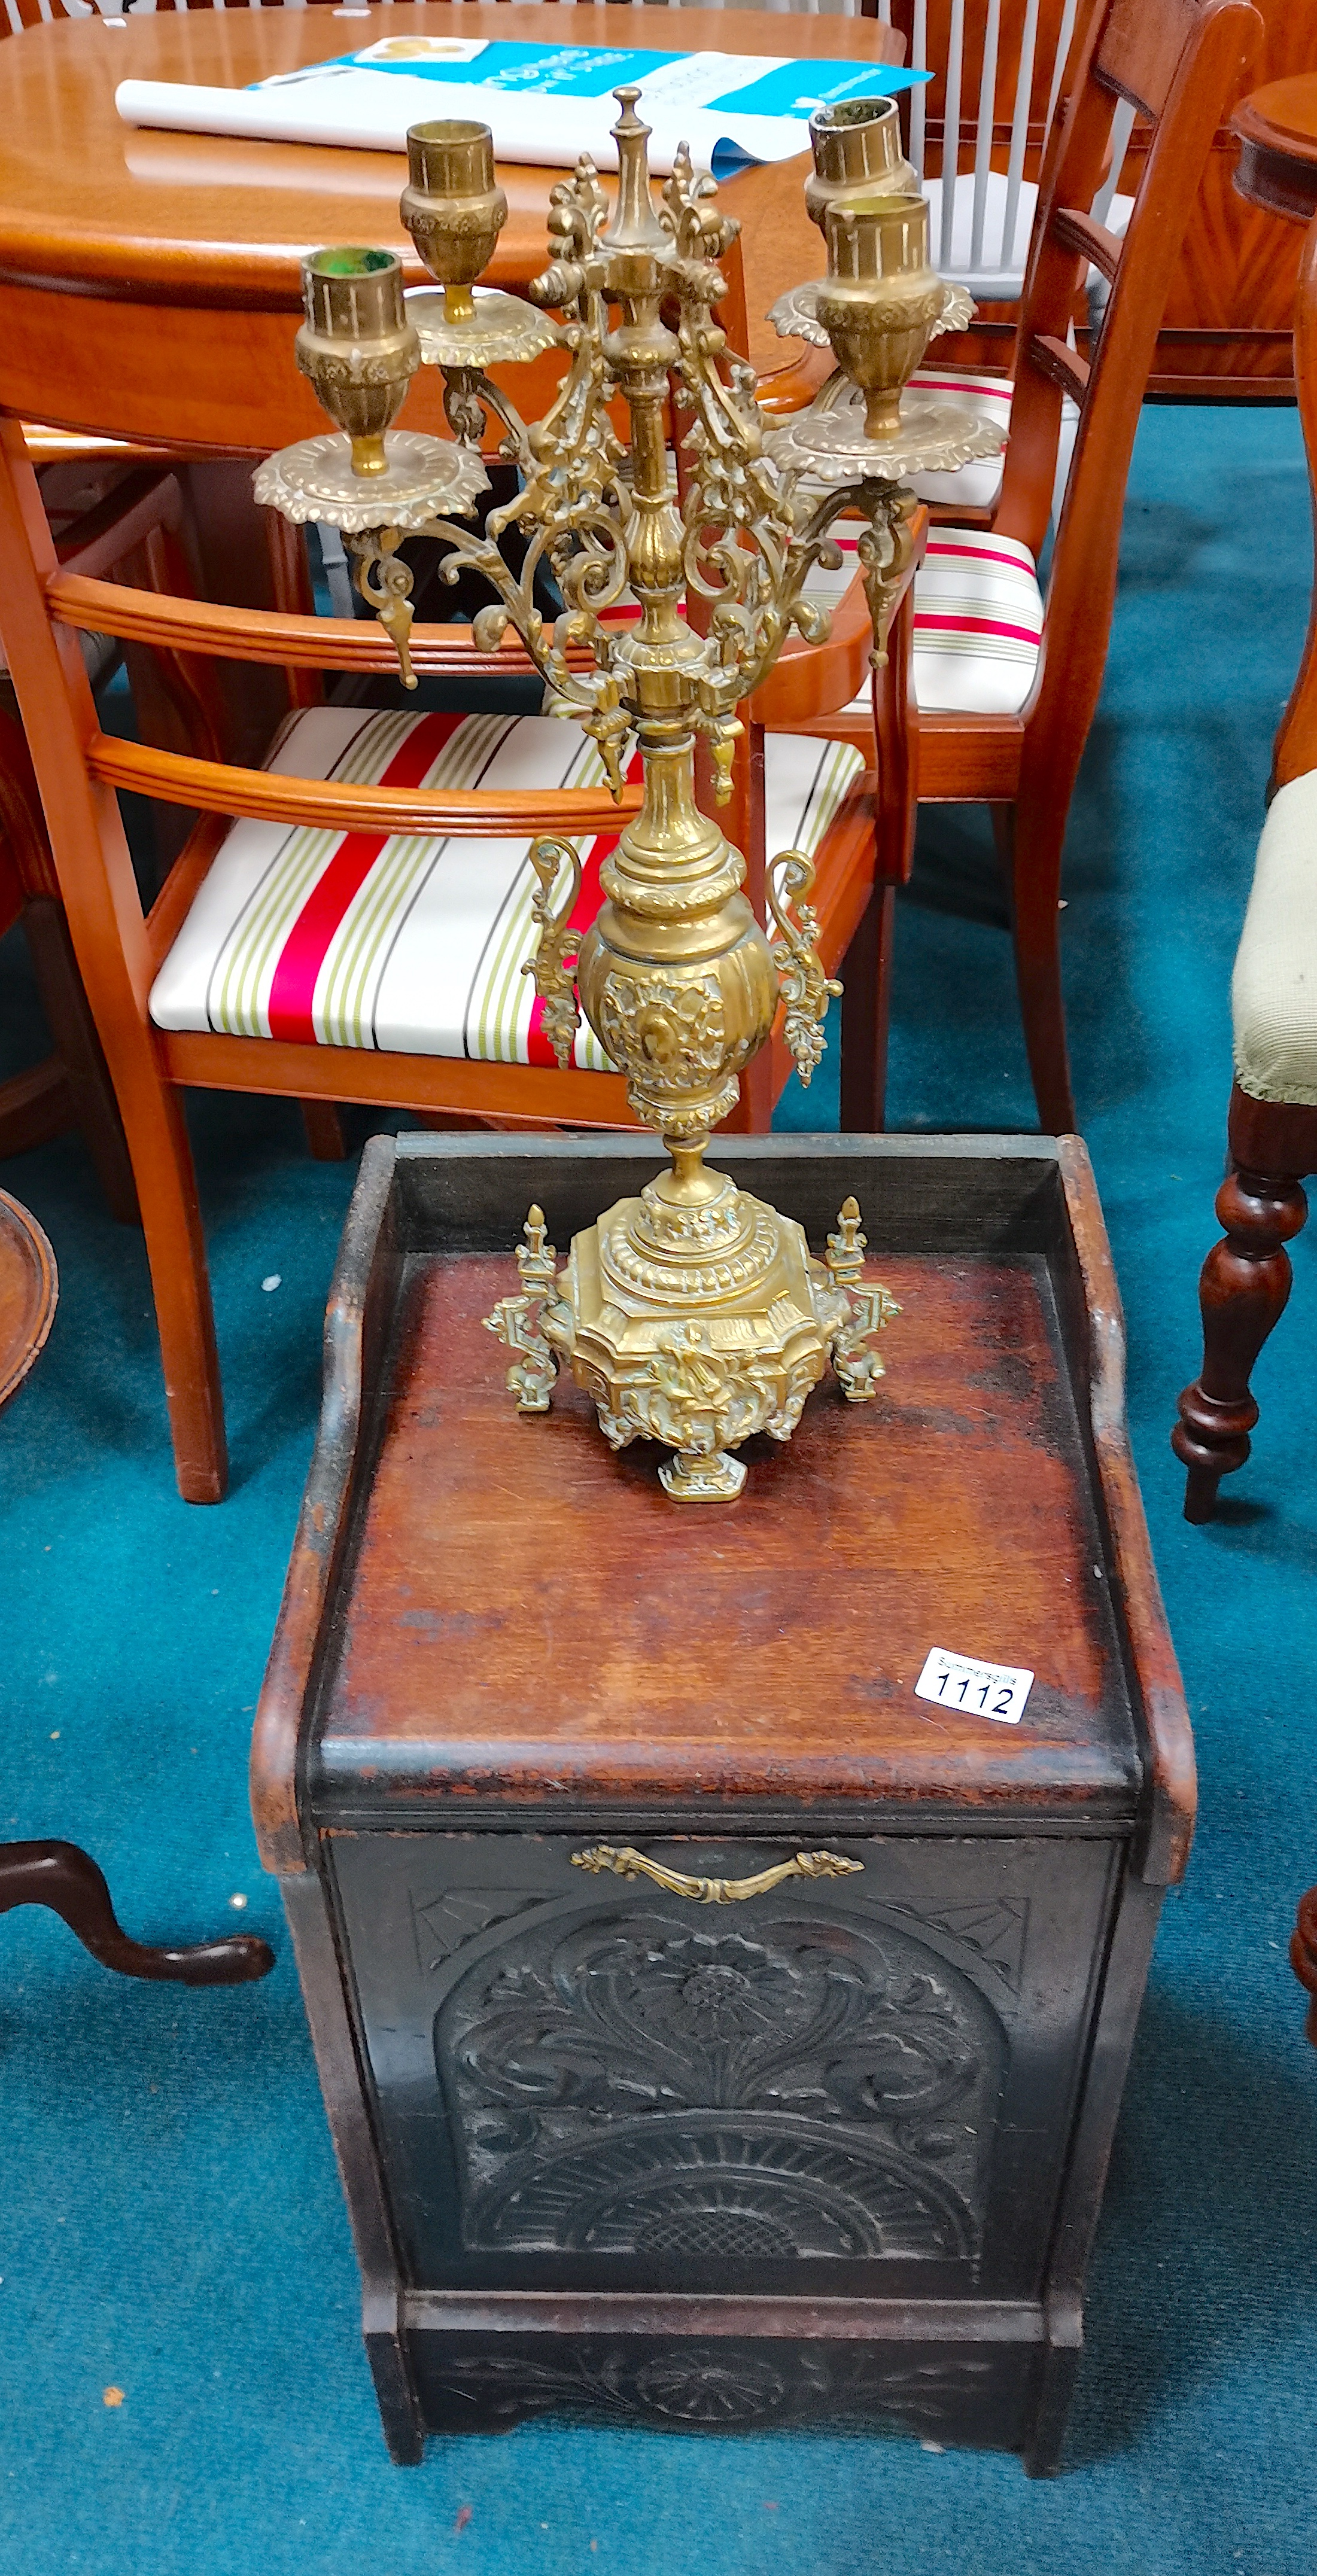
x: 694, y: 2384
x: 858, y: 2087
x: 833, y: 2152
x: 530, y: 1617
x: 28, y: 1290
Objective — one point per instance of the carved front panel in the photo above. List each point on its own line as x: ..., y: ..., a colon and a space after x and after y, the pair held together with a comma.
x: 647, y: 2085
x: 863, y: 2082
x: 692, y: 2385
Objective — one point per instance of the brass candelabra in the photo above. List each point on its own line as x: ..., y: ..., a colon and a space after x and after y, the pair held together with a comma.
x: 694, y: 1315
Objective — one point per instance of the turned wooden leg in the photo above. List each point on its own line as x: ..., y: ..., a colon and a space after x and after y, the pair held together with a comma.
x: 866, y: 984
x: 1037, y: 837
x: 1243, y: 1290
x: 1303, y: 1956
x: 67, y: 1880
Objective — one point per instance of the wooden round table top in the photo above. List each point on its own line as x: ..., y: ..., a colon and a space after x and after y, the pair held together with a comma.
x: 211, y: 218
x: 94, y: 212
x: 1277, y: 132
x: 29, y: 1286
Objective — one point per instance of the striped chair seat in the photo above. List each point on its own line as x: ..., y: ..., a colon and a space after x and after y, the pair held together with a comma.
x: 415, y: 943
x: 978, y: 620
x: 978, y: 486
x: 975, y: 486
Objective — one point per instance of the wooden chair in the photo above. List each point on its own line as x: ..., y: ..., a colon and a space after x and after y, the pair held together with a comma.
x: 990, y: 688
x: 979, y: 129
x: 1246, y: 1278
x: 135, y: 522
x: 350, y: 922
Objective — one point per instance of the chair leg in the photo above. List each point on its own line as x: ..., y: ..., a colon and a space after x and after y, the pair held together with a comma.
x: 1037, y: 836
x: 324, y: 1131
x: 176, y: 1250
x: 68, y: 1013
x: 866, y: 985
x: 1243, y: 1291
x: 67, y: 1880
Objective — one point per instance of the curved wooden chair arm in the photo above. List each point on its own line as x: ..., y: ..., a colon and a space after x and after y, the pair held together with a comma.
x: 212, y: 787
x: 273, y: 635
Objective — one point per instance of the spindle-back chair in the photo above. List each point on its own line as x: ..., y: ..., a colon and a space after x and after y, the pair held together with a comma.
x: 990, y: 690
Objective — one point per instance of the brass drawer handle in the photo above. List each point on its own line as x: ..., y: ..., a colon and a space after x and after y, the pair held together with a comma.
x: 626, y: 1863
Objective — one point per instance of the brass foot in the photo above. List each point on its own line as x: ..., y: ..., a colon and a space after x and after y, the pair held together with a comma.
x: 520, y: 1322
x: 689, y: 1478
x: 864, y: 1311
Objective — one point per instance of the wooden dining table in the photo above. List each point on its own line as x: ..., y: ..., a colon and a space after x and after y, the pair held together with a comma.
x: 150, y: 281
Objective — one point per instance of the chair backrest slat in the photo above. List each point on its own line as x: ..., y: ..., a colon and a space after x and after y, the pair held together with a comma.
x: 951, y: 128
x: 1122, y: 126
x: 979, y: 128
x: 918, y: 56
x: 1064, y: 40
x: 983, y: 144
x: 1019, y: 132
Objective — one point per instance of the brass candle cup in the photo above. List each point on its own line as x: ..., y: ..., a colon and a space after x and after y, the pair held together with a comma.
x: 357, y: 345
x: 857, y: 153
x: 453, y: 206
x: 880, y: 299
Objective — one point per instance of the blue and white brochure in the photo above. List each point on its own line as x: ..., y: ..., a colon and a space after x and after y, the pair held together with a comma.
x: 729, y: 108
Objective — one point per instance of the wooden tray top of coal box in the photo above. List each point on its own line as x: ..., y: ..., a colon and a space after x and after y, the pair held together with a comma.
x: 498, y: 1638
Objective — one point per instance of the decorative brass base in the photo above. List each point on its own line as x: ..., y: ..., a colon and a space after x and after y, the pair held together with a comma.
x: 694, y: 1315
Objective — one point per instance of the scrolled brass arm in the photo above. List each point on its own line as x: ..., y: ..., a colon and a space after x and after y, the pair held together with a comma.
x: 625, y: 1862
x: 554, y: 982
x: 806, y: 990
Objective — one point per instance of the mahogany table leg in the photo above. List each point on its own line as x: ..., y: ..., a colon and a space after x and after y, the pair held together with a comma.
x: 1243, y: 1291
x: 60, y: 1876
x: 1303, y: 1956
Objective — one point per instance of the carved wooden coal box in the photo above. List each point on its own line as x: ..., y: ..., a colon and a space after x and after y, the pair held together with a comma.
x: 831, y: 2152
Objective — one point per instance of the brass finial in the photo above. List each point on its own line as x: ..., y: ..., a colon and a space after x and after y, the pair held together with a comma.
x: 635, y: 226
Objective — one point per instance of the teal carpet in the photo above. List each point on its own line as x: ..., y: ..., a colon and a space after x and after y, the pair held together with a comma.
x: 170, y: 2224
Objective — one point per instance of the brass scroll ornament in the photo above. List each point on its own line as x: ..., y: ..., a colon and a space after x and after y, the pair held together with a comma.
x: 626, y: 1863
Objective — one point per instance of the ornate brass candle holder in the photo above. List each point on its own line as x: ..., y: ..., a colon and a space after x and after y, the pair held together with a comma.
x: 361, y: 350
x: 694, y: 1315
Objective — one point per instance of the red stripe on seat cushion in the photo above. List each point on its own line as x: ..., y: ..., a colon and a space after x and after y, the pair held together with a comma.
x: 940, y: 624
x: 1023, y: 562
x: 293, y: 988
